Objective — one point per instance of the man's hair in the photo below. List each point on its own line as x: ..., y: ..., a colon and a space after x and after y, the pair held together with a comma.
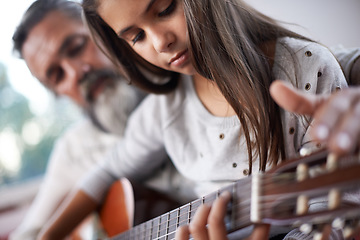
x: 37, y: 12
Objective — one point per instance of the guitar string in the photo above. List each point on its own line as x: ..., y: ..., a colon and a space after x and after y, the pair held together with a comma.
x: 182, y: 217
x: 170, y: 230
x: 244, y: 206
x: 163, y: 227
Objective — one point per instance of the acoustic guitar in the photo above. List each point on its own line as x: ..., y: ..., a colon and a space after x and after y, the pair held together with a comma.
x: 279, y: 197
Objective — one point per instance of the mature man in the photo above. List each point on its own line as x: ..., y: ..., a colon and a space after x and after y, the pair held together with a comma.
x: 57, y: 48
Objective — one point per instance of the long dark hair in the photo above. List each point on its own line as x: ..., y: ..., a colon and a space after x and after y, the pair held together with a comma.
x: 224, y: 38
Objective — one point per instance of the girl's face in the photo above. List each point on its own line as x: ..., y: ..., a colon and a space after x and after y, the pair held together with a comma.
x: 155, y: 29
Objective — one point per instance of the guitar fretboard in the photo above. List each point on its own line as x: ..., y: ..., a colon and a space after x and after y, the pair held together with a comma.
x: 270, y: 198
x: 165, y: 226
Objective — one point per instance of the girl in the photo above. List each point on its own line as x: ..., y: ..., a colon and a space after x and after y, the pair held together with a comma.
x: 217, y: 119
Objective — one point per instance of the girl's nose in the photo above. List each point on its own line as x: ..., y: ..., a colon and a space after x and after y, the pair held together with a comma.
x: 162, y: 39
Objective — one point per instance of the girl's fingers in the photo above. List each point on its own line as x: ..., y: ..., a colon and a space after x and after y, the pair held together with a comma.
x: 217, y: 229
x: 182, y: 233
x: 197, y: 226
x: 261, y: 231
x: 208, y: 222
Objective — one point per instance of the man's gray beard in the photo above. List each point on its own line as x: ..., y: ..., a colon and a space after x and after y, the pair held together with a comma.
x: 113, y: 106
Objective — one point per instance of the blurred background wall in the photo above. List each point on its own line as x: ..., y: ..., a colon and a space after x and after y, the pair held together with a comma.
x: 331, y: 22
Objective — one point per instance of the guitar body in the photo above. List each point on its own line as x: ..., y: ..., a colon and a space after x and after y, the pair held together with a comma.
x: 117, y: 212
x: 131, y: 203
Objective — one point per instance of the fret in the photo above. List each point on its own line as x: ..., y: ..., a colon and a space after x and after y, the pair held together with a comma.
x: 141, y: 232
x: 183, y: 214
x: 194, y: 206
x: 137, y: 232
x: 155, y: 228
x: 233, y: 215
x: 173, y: 223
x: 209, y: 199
x: 163, y: 228
x: 132, y: 233
x: 148, y: 229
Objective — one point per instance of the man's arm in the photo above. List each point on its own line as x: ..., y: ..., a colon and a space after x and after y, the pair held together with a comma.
x: 55, y: 185
x: 75, y: 209
x: 336, y: 117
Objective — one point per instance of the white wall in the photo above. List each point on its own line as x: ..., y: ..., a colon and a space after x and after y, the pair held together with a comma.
x: 331, y: 22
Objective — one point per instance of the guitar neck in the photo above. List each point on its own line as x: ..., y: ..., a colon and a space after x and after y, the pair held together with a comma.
x: 271, y: 198
x: 165, y: 226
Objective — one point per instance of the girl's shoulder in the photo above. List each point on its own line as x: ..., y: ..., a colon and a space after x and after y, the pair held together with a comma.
x: 307, y: 64
x: 302, y: 49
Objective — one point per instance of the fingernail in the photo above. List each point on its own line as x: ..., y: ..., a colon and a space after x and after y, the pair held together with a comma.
x: 343, y: 141
x: 322, y: 132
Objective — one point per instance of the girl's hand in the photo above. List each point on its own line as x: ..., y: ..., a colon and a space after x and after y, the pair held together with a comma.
x: 336, y: 117
x: 208, y: 223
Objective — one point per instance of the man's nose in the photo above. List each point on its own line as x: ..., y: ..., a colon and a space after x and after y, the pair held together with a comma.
x: 75, y: 69
x: 74, y: 72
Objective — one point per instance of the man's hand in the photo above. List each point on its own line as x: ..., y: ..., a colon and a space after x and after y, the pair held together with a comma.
x: 336, y: 117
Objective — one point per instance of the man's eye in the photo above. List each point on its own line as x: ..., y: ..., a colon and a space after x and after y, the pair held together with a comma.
x: 77, y: 48
x: 168, y: 10
x: 58, y: 76
x: 138, y: 37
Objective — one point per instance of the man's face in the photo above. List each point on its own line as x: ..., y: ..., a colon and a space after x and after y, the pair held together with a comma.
x: 60, y: 53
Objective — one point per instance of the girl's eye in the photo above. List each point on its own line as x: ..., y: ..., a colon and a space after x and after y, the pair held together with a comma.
x: 168, y: 10
x: 138, y: 37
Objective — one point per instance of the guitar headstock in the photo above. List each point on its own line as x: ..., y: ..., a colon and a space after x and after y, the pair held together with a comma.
x: 310, y: 192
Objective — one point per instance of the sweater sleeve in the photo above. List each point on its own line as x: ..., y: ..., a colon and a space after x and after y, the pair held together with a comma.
x: 346, y: 58
x: 136, y: 156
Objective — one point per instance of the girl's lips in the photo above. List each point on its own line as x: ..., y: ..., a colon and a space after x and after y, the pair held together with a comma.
x: 180, y: 59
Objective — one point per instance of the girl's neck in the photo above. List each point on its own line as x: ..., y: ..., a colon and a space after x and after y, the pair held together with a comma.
x: 211, y: 97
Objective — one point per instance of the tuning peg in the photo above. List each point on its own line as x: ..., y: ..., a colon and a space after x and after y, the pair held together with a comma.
x: 351, y: 227
x: 338, y: 223
x: 348, y: 232
x: 305, y: 152
x: 318, y: 236
x: 334, y: 197
x: 302, y: 204
x: 302, y: 172
x: 331, y: 162
x: 306, y: 228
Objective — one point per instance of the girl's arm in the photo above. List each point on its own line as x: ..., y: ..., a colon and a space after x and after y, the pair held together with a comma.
x: 74, y: 209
